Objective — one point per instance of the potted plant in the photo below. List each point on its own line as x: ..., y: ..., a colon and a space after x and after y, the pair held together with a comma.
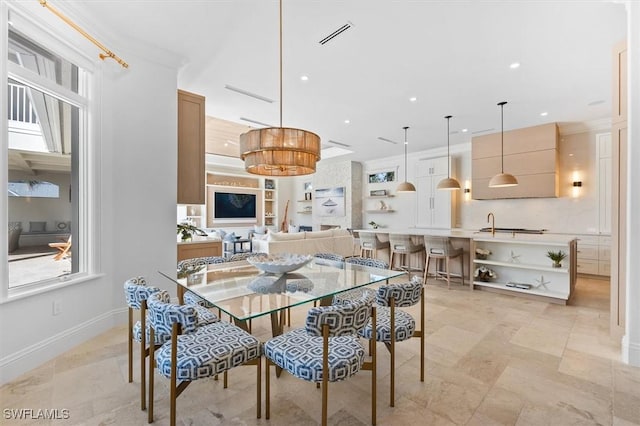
x: 484, y: 274
x: 482, y: 253
x: 187, y: 230
x: 556, y: 257
x: 374, y: 225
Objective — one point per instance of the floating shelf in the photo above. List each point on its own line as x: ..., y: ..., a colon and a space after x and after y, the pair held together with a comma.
x: 304, y: 201
x: 381, y: 196
x: 380, y: 211
x: 304, y: 212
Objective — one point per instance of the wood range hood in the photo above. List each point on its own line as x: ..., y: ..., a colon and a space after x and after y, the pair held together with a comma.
x: 530, y: 154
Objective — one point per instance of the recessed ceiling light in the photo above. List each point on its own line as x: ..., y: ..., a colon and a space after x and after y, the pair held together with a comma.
x: 570, y: 155
x: 413, y: 99
x: 514, y: 65
x: 347, y: 121
x: 304, y: 77
x: 464, y: 130
x: 544, y: 114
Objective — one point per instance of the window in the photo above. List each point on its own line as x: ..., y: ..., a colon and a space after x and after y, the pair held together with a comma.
x: 47, y: 176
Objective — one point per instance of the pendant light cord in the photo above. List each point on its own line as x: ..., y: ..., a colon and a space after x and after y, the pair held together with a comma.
x: 502, y: 136
x: 405, y: 153
x: 448, y: 117
x: 281, y: 63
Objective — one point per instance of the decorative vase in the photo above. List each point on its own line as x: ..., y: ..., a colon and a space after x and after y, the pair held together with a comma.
x: 557, y: 265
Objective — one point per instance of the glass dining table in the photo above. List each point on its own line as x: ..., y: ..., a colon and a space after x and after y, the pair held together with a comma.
x: 242, y: 291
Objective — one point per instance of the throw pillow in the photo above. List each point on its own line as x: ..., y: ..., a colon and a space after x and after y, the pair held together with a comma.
x: 293, y: 229
x: 37, y: 226
x: 222, y: 233
x: 230, y: 237
x: 259, y: 229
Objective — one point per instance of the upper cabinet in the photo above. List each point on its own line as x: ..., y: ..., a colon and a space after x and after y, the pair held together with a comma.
x: 191, y: 136
x: 530, y: 154
x: 619, y: 100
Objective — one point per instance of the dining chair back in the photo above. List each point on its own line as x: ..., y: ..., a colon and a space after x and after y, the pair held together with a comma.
x: 326, y: 350
x: 195, y: 351
x: 395, y: 325
x: 136, y: 293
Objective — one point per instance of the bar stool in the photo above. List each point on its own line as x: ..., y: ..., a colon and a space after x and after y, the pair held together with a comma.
x: 370, y: 244
x: 440, y: 248
x: 403, y: 245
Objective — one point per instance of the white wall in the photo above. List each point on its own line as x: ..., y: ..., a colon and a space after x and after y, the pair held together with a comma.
x: 135, y: 219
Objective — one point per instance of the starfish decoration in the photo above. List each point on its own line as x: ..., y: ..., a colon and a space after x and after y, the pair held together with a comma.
x: 514, y: 258
x: 542, y: 283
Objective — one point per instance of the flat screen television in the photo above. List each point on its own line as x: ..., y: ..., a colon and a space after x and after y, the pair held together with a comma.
x: 231, y: 206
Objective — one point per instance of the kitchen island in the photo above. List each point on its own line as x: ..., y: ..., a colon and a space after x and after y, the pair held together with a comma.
x: 519, y: 260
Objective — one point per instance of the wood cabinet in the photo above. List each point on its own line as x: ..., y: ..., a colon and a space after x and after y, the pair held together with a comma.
x: 619, y: 190
x: 199, y: 249
x: 530, y: 154
x: 435, y: 207
x: 191, y: 161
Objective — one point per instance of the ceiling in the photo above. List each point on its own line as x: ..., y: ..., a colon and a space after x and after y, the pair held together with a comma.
x: 453, y: 56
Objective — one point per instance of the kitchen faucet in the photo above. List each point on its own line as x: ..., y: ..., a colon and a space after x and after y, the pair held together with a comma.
x: 493, y: 223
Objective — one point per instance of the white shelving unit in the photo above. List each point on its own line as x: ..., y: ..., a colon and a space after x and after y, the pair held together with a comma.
x: 380, y: 198
x: 305, y: 207
x: 525, y: 263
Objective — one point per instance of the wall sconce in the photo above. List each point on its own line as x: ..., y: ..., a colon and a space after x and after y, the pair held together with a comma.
x: 467, y: 190
x: 576, y: 184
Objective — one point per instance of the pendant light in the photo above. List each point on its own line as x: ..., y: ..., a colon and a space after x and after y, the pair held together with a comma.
x: 449, y: 184
x: 502, y: 179
x: 280, y: 151
x: 405, y: 186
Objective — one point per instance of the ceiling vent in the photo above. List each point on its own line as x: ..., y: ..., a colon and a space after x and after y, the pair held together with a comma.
x: 338, y: 143
x: 259, y: 123
x: 482, y: 131
x: 246, y: 93
x: 387, y: 140
x: 336, y: 33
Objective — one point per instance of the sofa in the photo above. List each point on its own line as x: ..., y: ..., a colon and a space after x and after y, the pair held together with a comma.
x: 337, y: 241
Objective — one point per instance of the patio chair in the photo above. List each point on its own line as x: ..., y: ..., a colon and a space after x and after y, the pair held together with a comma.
x: 63, y: 249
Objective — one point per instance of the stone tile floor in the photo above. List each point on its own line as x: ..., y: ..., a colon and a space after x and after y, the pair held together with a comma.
x: 491, y: 360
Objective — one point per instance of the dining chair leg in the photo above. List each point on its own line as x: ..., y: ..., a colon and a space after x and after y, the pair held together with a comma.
x: 393, y: 350
x: 422, y: 333
x: 267, y: 390
x: 325, y: 372
x: 391, y: 260
x: 224, y: 380
x: 426, y: 270
x: 130, y: 345
x: 151, y: 375
x: 143, y: 353
x: 448, y: 273
x: 259, y: 388
x: 372, y: 352
x: 173, y: 391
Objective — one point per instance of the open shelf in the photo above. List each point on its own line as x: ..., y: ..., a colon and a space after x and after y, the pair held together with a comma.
x: 304, y: 212
x: 380, y: 211
x: 521, y: 266
x: 533, y: 291
x: 381, y: 196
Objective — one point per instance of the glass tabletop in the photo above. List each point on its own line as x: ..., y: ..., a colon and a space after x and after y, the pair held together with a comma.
x: 244, y: 292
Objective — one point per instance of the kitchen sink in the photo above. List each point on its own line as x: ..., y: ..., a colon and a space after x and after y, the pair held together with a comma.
x: 514, y: 230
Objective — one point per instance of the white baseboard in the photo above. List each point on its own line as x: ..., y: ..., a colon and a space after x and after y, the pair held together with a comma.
x: 26, y: 359
x: 630, y: 352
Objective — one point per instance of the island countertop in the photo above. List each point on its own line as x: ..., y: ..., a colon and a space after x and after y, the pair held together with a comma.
x: 546, y: 238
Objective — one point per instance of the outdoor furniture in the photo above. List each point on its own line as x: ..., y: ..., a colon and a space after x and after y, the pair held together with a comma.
x: 63, y: 249
x: 15, y: 229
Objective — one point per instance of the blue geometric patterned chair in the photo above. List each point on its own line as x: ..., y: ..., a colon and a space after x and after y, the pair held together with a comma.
x: 136, y: 294
x: 194, y: 264
x: 242, y: 256
x: 195, y: 352
x: 330, y: 256
x: 395, y: 325
x: 357, y: 293
x: 326, y: 350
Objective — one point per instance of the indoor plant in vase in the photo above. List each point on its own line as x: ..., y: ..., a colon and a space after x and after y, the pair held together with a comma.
x: 556, y: 257
x: 187, y: 230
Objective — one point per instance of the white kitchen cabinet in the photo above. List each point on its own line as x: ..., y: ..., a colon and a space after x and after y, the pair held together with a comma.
x: 435, y: 207
x: 594, y: 255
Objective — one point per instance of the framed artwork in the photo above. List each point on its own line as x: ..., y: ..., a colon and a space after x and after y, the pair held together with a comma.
x: 382, y: 177
x: 307, y: 187
x: 269, y: 184
x: 330, y: 202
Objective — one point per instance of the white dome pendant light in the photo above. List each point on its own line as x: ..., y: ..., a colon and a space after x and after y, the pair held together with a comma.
x: 502, y: 179
x: 448, y: 184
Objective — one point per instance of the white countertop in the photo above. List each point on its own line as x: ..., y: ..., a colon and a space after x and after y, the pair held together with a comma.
x: 546, y: 238
x: 199, y: 240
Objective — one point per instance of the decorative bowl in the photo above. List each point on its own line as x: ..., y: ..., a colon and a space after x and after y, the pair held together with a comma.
x: 280, y: 263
